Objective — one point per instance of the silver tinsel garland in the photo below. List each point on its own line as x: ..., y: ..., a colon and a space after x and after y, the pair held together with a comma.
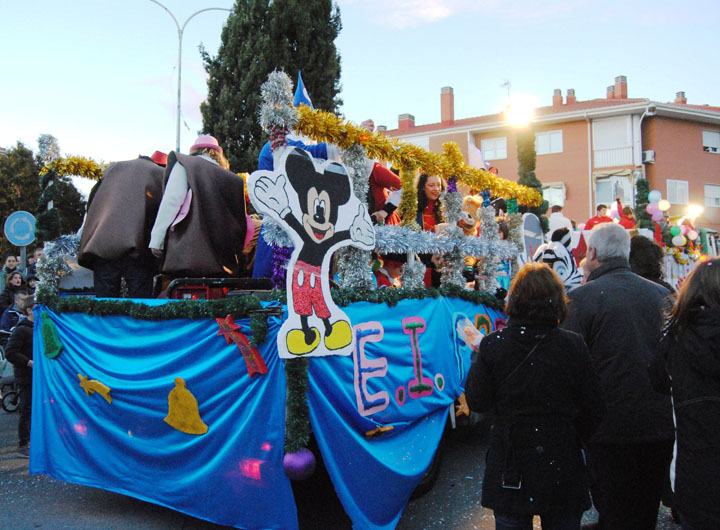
x: 354, y: 268
x: 451, y: 271
x: 453, y: 261
x: 413, y: 276
x: 351, y: 260
x: 274, y: 234
x: 514, y: 222
x: 453, y: 206
x: 356, y: 162
x: 52, y: 266
x: 487, y: 275
x: 389, y: 238
x: 277, y: 109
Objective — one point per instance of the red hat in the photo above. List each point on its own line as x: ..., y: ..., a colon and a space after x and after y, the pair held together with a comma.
x: 206, y: 142
x: 159, y: 158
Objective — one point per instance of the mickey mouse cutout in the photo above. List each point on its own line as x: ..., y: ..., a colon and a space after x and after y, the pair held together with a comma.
x: 313, y: 201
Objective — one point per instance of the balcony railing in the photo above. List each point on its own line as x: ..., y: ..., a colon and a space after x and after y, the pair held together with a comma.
x: 617, y: 156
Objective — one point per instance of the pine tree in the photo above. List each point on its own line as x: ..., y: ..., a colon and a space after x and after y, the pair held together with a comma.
x: 261, y: 36
x: 526, y: 172
x: 48, y: 149
x: 19, y: 181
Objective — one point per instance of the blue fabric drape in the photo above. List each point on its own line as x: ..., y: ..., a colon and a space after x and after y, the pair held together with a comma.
x: 226, y: 476
x: 374, y: 476
x: 408, y: 367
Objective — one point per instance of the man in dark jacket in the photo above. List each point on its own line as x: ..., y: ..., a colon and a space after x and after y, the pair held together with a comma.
x: 19, y: 352
x: 120, y: 214
x: 620, y: 315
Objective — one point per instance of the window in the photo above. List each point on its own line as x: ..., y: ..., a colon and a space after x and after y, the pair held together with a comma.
x: 548, y: 142
x: 712, y: 195
x: 677, y: 191
x: 612, y: 133
x: 607, y: 189
x: 554, y: 193
x: 711, y: 141
x: 420, y: 141
x: 494, y: 148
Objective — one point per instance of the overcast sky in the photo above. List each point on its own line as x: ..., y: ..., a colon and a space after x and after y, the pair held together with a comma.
x: 100, y: 75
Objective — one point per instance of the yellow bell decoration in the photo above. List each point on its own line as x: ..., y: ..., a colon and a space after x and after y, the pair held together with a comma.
x: 183, y: 411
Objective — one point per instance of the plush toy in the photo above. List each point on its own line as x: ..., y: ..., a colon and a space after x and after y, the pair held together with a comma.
x: 470, y: 223
x: 470, y: 215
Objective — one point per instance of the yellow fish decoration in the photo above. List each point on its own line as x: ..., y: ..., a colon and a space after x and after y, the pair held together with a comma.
x: 90, y: 386
x: 377, y: 431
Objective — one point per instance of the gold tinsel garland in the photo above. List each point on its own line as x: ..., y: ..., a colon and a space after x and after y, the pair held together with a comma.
x: 75, y: 165
x: 326, y: 127
x: 408, y: 200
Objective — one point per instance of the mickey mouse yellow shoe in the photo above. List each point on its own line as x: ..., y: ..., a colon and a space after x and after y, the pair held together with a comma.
x: 296, y: 344
x: 340, y: 336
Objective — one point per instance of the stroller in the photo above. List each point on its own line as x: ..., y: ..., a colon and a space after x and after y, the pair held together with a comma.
x: 8, y: 388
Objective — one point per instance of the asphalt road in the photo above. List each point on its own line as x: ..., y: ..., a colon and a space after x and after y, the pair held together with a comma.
x: 37, y: 501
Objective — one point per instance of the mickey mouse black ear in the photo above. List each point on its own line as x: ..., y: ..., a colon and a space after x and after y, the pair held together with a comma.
x: 336, y: 169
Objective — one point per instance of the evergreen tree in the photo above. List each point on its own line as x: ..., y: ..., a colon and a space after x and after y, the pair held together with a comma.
x: 20, y: 186
x: 48, y: 149
x: 261, y: 36
x: 526, y: 172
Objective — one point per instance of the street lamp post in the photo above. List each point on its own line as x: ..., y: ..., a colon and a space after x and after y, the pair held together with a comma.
x: 180, y: 30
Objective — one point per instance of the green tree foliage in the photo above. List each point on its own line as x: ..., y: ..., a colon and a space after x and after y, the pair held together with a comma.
x: 24, y: 189
x: 20, y: 186
x: 48, y: 149
x: 526, y: 172
x: 642, y: 190
x: 261, y: 36
x: 68, y: 207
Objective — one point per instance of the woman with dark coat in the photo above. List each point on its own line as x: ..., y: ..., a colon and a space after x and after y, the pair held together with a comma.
x: 546, y: 401
x: 646, y: 260
x: 688, y: 365
x: 13, y: 284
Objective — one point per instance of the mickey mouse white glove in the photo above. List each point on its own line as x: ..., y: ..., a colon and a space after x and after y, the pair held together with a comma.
x: 361, y: 230
x: 273, y: 195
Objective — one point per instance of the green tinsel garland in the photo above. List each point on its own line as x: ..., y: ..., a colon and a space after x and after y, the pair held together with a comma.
x: 239, y: 307
x: 391, y: 297
x: 297, y: 414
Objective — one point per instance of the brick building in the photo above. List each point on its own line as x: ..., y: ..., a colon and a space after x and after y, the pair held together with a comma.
x: 588, y: 152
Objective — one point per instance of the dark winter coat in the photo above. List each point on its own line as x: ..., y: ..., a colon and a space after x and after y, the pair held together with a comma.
x: 19, y: 350
x: 210, y: 239
x: 540, y: 415
x: 621, y: 315
x: 691, y: 359
x: 7, y: 297
x: 122, y: 212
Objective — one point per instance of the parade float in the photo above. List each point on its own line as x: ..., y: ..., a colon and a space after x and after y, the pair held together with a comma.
x: 208, y: 406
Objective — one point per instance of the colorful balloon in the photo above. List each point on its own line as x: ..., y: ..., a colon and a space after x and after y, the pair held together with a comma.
x: 652, y: 208
x: 684, y: 229
x: 657, y: 217
x: 692, y: 235
x: 679, y: 241
x: 654, y: 196
x: 664, y: 205
x: 675, y: 230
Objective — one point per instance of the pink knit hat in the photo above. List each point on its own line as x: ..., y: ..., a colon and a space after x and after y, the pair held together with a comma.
x: 206, y: 141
